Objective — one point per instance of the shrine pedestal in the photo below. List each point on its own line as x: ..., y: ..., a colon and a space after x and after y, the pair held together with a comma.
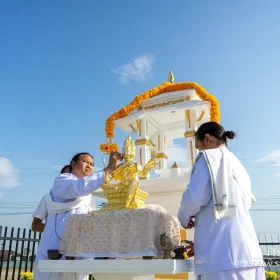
x: 118, y: 269
x: 124, y: 234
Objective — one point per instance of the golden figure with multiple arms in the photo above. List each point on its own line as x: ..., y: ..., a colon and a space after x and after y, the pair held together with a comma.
x: 121, y: 188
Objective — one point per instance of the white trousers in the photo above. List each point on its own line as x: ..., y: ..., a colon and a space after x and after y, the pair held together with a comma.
x: 247, y: 273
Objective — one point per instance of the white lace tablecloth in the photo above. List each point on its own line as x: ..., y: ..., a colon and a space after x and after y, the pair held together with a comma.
x: 127, y: 233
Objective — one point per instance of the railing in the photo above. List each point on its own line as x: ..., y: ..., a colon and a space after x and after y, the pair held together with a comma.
x: 17, y: 251
x: 270, y: 246
x: 18, y: 247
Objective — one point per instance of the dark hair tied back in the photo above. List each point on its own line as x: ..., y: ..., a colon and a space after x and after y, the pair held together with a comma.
x: 214, y: 129
x: 229, y: 134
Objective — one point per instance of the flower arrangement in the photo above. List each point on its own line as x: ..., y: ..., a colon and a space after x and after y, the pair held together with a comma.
x: 163, y: 88
x: 108, y: 148
x: 26, y: 276
x: 269, y: 275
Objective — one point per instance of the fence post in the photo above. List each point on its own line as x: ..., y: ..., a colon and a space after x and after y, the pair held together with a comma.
x: 3, y: 250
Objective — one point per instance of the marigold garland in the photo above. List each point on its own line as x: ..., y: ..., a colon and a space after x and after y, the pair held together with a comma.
x: 109, y: 148
x: 163, y: 88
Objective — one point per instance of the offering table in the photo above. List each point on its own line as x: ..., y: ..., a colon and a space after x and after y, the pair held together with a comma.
x: 118, y: 234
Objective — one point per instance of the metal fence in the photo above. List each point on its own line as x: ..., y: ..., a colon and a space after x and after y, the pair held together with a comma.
x: 18, y: 249
x: 270, y: 246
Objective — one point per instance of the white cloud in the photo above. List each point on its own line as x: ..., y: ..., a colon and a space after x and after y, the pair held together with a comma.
x: 177, y: 153
x: 8, y: 174
x: 138, y: 70
x: 273, y: 159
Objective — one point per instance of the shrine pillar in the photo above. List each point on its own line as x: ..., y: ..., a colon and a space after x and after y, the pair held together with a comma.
x: 142, y: 142
x: 190, y: 125
x: 160, y: 148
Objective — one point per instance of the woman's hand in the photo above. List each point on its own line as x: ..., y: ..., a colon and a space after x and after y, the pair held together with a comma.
x: 191, y: 224
x: 190, y: 248
x: 113, y: 162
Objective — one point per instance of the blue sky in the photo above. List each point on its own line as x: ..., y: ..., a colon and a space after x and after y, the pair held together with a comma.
x: 65, y: 66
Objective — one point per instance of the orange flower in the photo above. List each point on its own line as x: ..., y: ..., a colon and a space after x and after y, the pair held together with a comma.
x: 107, y: 148
x: 114, y: 147
x: 122, y: 113
x: 138, y: 99
x: 104, y: 147
x: 130, y: 108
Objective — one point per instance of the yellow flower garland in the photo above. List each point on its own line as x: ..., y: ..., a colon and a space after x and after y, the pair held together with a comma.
x: 163, y: 88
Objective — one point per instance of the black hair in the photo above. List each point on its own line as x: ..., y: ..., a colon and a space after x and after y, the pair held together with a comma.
x: 214, y: 129
x: 76, y: 158
x: 65, y: 167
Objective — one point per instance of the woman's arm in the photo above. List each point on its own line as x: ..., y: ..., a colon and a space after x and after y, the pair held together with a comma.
x: 39, y: 215
x: 67, y: 186
x: 197, y: 194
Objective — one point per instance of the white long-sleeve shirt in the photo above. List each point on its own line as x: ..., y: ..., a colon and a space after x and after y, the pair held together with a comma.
x: 67, y: 187
x: 228, y: 243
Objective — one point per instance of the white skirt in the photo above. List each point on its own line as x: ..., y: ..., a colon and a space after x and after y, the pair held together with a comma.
x: 247, y: 273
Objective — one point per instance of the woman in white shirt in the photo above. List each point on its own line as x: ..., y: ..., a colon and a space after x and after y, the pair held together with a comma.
x: 219, y: 196
x: 68, y: 195
x: 41, y: 211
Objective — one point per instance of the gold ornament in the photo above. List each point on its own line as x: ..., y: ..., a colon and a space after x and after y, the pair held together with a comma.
x: 171, y: 77
x: 121, y: 188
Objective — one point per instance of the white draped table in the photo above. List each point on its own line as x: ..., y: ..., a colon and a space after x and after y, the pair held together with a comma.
x: 118, y: 234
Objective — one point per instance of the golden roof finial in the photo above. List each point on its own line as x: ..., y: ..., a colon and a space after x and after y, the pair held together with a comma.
x: 171, y: 77
x: 174, y: 165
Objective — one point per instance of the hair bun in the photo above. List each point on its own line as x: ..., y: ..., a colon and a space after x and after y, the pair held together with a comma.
x: 229, y: 134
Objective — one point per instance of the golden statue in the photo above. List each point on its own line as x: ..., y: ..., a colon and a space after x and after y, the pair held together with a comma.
x: 121, y: 188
